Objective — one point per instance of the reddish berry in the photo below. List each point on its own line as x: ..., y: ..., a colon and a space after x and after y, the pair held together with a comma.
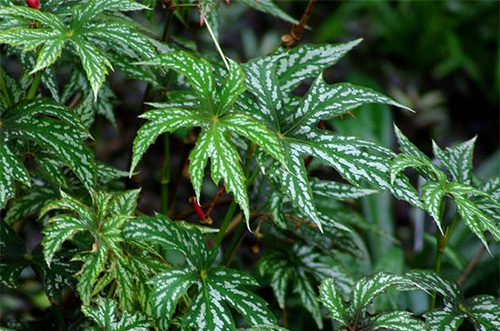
x: 35, y: 4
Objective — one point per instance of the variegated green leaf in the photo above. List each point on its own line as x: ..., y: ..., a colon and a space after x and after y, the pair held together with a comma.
x: 308, y: 298
x: 264, y: 328
x: 397, y: 321
x: 107, y: 172
x: 48, y: 54
x: 255, y: 131
x: 305, y: 267
x: 89, y: 39
x: 294, y: 179
x: 307, y: 61
x: 213, y: 111
x: 457, y: 160
x: 31, y: 39
x: 209, y: 309
x: 62, y: 136
x: 338, y: 191
x: 93, y: 265
x: 161, y: 230
x: 232, y: 87
x: 333, y: 300
x: 216, y: 287
x: 107, y: 317
x: 60, y: 229
x: 124, y: 203
x: 432, y: 197
x: 169, y: 287
x: 275, y: 204
x: 446, y: 319
x: 371, y: 286
x: 429, y: 281
x: 29, y: 203
x: 478, y: 220
x: 262, y: 83
x: 45, y: 18
x: 490, y: 204
x: 94, y: 63
x: 325, y: 101
x: 407, y: 147
x: 403, y: 161
x: 104, y: 223
x: 161, y: 121
x: 295, y: 123
x: 355, y: 316
x: 484, y: 312
x: 358, y: 161
x: 11, y: 169
x: 225, y: 164
x: 197, y: 71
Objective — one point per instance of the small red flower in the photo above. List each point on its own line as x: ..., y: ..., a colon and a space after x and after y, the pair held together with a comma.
x: 35, y: 4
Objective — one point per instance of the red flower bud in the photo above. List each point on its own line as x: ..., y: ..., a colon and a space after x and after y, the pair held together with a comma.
x: 35, y: 4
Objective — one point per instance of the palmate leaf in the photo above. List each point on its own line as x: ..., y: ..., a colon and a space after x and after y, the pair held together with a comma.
x: 214, y: 289
x: 269, y: 100
x: 107, y: 318
x: 479, y: 209
x: 353, y: 315
x: 104, y: 224
x: 63, y: 136
x: 304, y: 267
x: 482, y: 310
x: 212, y: 111
x: 84, y: 34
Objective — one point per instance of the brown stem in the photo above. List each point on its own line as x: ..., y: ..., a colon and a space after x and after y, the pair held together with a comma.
x: 292, y: 38
x: 471, y: 265
x: 214, y: 201
x: 285, y: 319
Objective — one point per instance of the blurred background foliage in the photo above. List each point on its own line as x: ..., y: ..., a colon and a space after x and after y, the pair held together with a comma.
x: 441, y: 58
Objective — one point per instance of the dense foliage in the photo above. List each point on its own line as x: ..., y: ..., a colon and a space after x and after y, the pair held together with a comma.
x: 298, y: 232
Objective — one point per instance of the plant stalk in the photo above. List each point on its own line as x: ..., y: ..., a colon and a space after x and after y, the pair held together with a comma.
x: 34, y: 85
x: 441, y: 241
x: 234, y: 244
x: 293, y: 37
x: 225, y: 223
x: 471, y: 265
x: 165, y: 168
